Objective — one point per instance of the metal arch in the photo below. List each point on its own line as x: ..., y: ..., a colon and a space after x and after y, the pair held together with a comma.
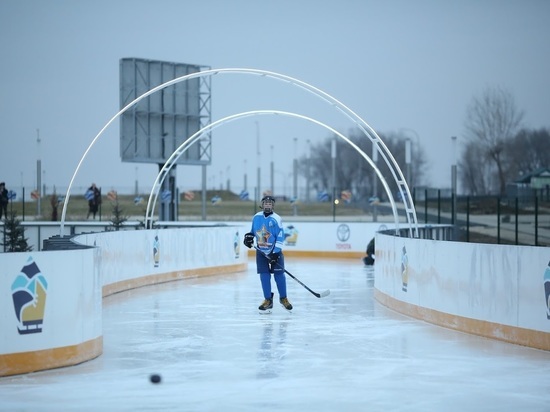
x: 151, y: 203
x: 363, y: 126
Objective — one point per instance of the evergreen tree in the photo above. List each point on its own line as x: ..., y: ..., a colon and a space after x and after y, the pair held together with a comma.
x: 118, y: 217
x: 14, y: 235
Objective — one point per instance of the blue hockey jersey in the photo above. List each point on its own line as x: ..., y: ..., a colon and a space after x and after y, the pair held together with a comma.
x: 269, y: 232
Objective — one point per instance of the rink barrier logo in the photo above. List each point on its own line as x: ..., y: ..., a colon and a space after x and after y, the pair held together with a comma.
x: 404, y: 269
x: 343, y: 233
x: 29, y: 292
x: 547, y: 290
x: 156, y: 251
x: 236, y: 245
x: 291, y: 235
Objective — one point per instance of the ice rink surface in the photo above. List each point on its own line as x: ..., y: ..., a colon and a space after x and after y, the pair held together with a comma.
x: 344, y: 352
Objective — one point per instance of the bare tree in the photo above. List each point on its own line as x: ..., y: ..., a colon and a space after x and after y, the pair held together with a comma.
x: 473, y: 170
x: 352, y: 171
x: 528, y: 151
x: 491, y: 120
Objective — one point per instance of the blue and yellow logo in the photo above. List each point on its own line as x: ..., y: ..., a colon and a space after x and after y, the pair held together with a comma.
x: 29, y: 291
x: 291, y: 236
x: 404, y: 269
x: 547, y: 289
x: 236, y: 245
x: 156, y: 251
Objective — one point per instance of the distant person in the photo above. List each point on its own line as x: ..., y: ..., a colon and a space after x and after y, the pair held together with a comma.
x: 4, y: 200
x: 267, y: 229
x: 93, y: 195
x: 368, y: 260
x: 54, y: 201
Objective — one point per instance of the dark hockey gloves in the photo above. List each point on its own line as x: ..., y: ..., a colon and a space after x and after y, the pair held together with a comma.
x: 273, y: 258
x: 248, y: 240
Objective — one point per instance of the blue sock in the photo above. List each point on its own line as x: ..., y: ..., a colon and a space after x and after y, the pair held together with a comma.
x: 280, y: 280
x: 265, y: 278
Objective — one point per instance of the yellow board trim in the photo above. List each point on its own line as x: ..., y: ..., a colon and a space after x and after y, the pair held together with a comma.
x: 511, y: 334
x: 26, y: 362
x: 148, y: 280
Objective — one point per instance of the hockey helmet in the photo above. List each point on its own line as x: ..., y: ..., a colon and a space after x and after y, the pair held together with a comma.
x: 268, y: 199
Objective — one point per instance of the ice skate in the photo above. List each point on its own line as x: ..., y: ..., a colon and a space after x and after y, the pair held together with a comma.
x: 286, y: 304
x: 266, y: 305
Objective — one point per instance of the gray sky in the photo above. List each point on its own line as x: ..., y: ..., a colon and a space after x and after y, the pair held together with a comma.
x: 412, y: 65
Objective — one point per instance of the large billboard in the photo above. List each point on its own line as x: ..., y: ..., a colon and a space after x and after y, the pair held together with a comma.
x: 154, y: 128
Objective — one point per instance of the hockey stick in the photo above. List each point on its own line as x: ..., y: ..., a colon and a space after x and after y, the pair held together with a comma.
x: 318, y: 295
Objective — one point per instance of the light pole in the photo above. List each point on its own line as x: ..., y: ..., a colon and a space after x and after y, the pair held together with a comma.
x: 258, y: 178
x: 308, y: 171
x: 408, y: 159
x: 136, y: 189
x: 295, y: 171
x: 417, y: 148
x: 272, y: 172
x: 375, y: 182
x: 295, y: 176
x: 38, y: 173
x: 333, y: 156
x: 228, y: 174
x: 453, y: 179
x: 244, y: 183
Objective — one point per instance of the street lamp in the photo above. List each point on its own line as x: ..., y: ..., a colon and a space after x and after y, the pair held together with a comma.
x: 308, y: 166
x: 409, y: 163
x: 453, y: 178
x: 333, y: 156
x: 408, y: 159
x: 295, y: 176
x: 258, y: 178
x: 38, y: 173
x: 375, y: 182
x: 272, y: 172
x: 228, y: 173
x: 295, y: 170
x: 244, y: 183
x: 136, y: 188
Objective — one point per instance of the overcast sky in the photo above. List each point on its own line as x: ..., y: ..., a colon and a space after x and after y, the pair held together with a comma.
x: 400, y: 65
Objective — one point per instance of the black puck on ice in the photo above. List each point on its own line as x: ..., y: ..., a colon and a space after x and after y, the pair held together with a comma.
x: 155, y: 378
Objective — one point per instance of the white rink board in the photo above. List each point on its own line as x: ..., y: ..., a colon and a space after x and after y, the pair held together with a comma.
x: 131, y: 254
x: 324, y: 236
x: 72, y: 312
x: 502, y: 284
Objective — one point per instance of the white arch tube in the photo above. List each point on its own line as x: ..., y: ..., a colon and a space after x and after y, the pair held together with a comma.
x: 363, y: 126
x: 151, y: 203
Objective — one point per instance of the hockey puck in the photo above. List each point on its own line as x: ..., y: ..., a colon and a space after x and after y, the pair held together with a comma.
x: 155, y: 378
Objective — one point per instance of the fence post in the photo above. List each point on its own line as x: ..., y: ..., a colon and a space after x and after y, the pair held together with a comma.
x: 453, y: 208
x: 467, y: 218
x: 536, y: 220
x: 438, y: 206
x: 425, y: 205
x: 498, y: 220
x: 517, y: 223
x: 23, y: 202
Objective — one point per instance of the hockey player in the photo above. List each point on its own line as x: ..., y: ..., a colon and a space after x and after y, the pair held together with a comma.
x: 267, y: 229
x: 368, y: 260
